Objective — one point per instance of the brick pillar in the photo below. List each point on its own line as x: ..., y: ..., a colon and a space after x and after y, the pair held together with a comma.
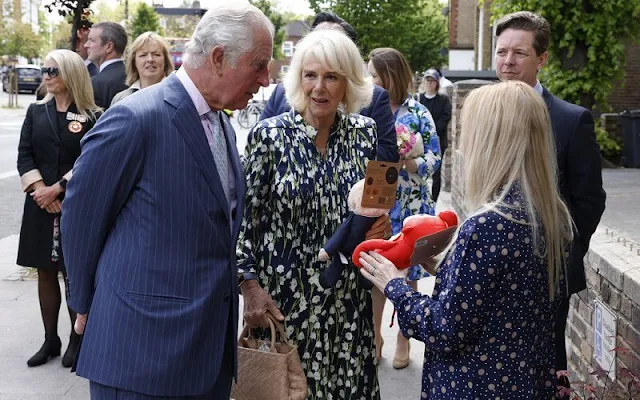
x: 455, y: 162
x: 445, y: 167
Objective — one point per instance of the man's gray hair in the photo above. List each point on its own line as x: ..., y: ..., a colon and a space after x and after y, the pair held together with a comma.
x: 231, y: 27
x: 113, y: 32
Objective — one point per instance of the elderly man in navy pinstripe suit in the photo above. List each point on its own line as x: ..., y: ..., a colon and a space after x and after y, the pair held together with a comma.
x: 151, y: 218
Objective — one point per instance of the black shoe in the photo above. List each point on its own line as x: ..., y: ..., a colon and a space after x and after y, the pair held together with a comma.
x: 50, y: 348
x: 70, y: 355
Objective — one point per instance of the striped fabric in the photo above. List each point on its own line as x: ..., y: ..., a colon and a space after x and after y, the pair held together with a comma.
x: 148, y: 248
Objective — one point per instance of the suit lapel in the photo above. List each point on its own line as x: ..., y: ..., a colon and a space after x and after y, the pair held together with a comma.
x: 51, y: 113
x: 188, y: 124
x: 548, y: 97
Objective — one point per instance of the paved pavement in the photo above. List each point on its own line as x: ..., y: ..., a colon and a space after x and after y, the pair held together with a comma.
x: 623, y: 202
x: 21, y: 327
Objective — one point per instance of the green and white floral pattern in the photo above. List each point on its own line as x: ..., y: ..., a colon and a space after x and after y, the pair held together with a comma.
x: 296, y: 198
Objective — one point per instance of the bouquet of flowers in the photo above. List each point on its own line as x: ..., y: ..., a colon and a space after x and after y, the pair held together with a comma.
x: 410, y: 144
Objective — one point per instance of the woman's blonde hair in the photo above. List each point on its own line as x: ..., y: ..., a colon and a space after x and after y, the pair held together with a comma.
x: 75, y: 76
x: 335, y: 51
x: 394, y: 72
x: 506, y: 138
x: 141, y: 41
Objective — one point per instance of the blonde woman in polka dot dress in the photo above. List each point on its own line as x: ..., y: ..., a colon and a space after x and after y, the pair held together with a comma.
x: 489, y: 326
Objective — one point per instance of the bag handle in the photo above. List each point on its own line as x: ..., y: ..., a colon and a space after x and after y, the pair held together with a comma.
x: 273, y: 322
x: 248, y: 333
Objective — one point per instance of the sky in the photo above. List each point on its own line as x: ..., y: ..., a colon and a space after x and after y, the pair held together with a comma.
x: 296, y: 6
x: 300, y: 7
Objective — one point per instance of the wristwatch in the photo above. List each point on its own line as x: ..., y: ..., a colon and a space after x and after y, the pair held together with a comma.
x: 63, y: 183
x: 246, y: 276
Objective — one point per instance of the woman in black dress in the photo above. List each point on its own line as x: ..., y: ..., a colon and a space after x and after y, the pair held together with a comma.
x: 49, y: 145
x: 439, y: 106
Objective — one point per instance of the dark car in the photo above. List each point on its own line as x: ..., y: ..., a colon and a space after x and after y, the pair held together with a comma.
x: 29, y: 78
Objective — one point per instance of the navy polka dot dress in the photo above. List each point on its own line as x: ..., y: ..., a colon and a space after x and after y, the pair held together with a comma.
x: 489, y: 327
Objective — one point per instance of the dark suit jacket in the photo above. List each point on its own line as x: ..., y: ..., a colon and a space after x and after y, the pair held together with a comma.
x: 108, y: 83
x: 150, y: 248
x: 580, y: 178
x: 440, y: 109
x: 50, y: 149
x: 379, y: 110
x: 93, y: 70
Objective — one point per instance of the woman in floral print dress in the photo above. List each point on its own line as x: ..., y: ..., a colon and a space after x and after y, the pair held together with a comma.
x: 390, y: 69
x: 300, y: 166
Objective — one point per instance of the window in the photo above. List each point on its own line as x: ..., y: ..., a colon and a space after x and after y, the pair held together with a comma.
x: 284, y: 69
x: 287, y: 48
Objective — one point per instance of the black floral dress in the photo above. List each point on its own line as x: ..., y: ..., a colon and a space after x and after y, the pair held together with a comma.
x: 296, y: 198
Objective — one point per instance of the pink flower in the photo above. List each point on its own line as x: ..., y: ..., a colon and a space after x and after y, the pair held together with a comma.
x: 405, y: 139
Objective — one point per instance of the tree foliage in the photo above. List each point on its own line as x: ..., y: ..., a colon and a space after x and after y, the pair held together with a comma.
x: 278, y: 21
x: 18, y: 39
x: 586, y: 52
x: 144, y: 20
x: 108, y: 11
x: 417, y: 28
x: 73, y: 8
x: 181, y: 27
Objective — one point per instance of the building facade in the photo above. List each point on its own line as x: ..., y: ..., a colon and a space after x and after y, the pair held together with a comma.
x: 294, y: 32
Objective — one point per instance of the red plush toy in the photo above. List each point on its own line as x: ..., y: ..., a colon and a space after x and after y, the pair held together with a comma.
x: 422, y: 237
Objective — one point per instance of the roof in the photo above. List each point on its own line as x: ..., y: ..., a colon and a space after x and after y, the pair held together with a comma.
x: 297, y: 28
x: 180, y: 11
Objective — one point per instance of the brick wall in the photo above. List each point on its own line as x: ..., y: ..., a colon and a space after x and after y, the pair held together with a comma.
x: 454, y: 164
x: 484, y: 48
x: 462, y: 26
x: 445, y: 166
x: 487, y: 50
x: 612, y: 267
x: 626, y: 94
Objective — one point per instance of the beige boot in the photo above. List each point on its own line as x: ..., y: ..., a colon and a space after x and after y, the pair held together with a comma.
x: 403, y: 350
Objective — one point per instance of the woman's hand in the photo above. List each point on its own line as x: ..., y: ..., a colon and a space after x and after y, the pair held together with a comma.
x: 378, y: 270
x: 410, y: 165
x: 46, y: 195
x: 381, y: 229
x: 55, y: 207
x: 81, y: 321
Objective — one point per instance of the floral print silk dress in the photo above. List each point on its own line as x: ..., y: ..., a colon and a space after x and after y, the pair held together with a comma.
x: 489, y: 327
x: 414, y: 195
x: 296, y: 199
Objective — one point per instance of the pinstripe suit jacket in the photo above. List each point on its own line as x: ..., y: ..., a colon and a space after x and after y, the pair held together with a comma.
x: 150, y: 247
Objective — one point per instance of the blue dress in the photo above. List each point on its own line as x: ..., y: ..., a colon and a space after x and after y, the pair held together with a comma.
x: 414, y: 195
x: 489, y: 327
x: 296, y: 199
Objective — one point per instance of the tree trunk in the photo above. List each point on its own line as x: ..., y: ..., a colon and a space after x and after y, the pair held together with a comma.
x: 76, y: 23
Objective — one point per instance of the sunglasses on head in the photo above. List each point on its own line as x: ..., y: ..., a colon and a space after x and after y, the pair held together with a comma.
x: 52, y: 71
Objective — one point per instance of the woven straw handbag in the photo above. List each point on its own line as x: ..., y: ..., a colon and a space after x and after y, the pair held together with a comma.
x: 268, y: 370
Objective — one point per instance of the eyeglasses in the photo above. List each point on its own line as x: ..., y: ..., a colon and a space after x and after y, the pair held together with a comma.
x: 52, y: 71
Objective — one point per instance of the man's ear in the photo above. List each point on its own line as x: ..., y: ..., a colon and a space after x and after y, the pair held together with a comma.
x: 216, y: 58
x: 542, y: 60
x: 111, y: 48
